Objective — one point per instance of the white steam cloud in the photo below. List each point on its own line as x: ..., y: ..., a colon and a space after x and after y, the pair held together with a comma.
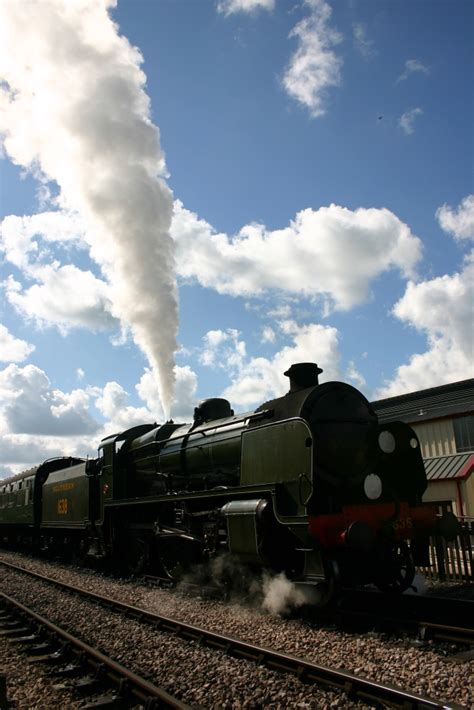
x: 73, y: 111
x: 280, y: 595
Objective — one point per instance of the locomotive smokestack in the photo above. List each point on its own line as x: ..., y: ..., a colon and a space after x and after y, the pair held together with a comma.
x: 303, y: 375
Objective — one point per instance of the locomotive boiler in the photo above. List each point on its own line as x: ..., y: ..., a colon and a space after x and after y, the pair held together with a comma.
x: 308, y: 483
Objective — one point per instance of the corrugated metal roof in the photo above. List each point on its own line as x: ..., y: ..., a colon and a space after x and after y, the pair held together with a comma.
x: 443, y: 401
x: 443, y: 468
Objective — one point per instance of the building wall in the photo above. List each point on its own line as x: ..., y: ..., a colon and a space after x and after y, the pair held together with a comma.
x: 449, y: 490
x: 436, y: 437
x: 441, y: 491
x: 467, y: 491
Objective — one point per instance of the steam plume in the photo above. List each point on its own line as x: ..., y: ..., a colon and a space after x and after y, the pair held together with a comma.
x: 282, y: 596
x: 73, y: 110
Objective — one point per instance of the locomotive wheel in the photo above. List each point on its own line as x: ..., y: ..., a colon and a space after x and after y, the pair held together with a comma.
x: 398, y: 570
x: 136, y: 556
x: 177, y: 557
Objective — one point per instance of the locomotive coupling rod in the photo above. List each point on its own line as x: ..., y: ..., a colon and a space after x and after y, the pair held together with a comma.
x: 138, y: 686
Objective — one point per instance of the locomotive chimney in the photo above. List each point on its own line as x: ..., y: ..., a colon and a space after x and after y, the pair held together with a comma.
x: 303, y: 375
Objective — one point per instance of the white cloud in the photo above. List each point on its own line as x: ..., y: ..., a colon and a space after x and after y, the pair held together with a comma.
x: 442, y: 310
x: 38, y: 421
x: 459, y: 221
x: 223, y: 349
x: 407, y: 120
x: 21, y: 451
x: 361, y: 42
x: 355, y: 376
x: 280, y: 312
x: 64, y: 296
x: 314, y: 67
x: 112, y: 403
x: 268, y: 335
x: 184, y: 399
x: 413, y: 66
x: 24, y: 237
x: 31, y: 406
x: 78, y: 115
x: 260, y: 379
x: 232, y: 7
x: 332, y: 253
x: 80, y: 374
x: 13, y: 349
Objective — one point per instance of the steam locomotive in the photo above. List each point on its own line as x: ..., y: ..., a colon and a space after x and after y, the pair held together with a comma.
x: 308, y: 483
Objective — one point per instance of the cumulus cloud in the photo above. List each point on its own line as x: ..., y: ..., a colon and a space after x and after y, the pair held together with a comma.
x: 413, y: 66
x: 112, y: 403
x: 362, y: 43
x: 407, y: 120
x: 13, y: 349
x: 78, y: 115
x: 31, y: 406
x: 24, y: 240
x: 38, y: 421
x: 258, y: 379
x: 65, y: 297
x: 314, y: 67
x: 249, y: 7
x: 458, y: 221
x: 332, y: 253
x: 62, y: 295
x: 223, y: 349
x: 21, y: 451
x: 441, y: 309
x: 184, y: 399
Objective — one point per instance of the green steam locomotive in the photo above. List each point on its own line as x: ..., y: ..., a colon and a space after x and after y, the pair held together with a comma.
x: 308, y: 483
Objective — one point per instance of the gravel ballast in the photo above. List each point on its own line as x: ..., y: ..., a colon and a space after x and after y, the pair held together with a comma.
x: 210, y: 679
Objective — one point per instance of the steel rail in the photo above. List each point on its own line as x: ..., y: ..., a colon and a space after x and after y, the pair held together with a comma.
x: 443, y: 632
x: 444, y: 618
x: 354, y: 686
x: 142, y: 689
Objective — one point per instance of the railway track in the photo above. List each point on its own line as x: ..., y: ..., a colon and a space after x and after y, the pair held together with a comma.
x: 47, y: 642
x: 355, y: 687
x: 428, y: 617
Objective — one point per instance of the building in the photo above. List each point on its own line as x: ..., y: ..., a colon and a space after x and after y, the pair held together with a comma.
x: 443, y: 419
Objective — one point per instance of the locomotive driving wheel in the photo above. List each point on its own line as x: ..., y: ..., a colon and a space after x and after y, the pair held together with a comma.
x: 136, y: 556
x: 177, y: 555
x: 397, y: 569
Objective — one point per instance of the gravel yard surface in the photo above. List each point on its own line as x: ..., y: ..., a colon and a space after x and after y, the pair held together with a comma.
x: 210, y: 679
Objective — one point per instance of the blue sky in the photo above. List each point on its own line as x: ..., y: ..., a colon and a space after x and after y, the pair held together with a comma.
x: 207, y: 191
